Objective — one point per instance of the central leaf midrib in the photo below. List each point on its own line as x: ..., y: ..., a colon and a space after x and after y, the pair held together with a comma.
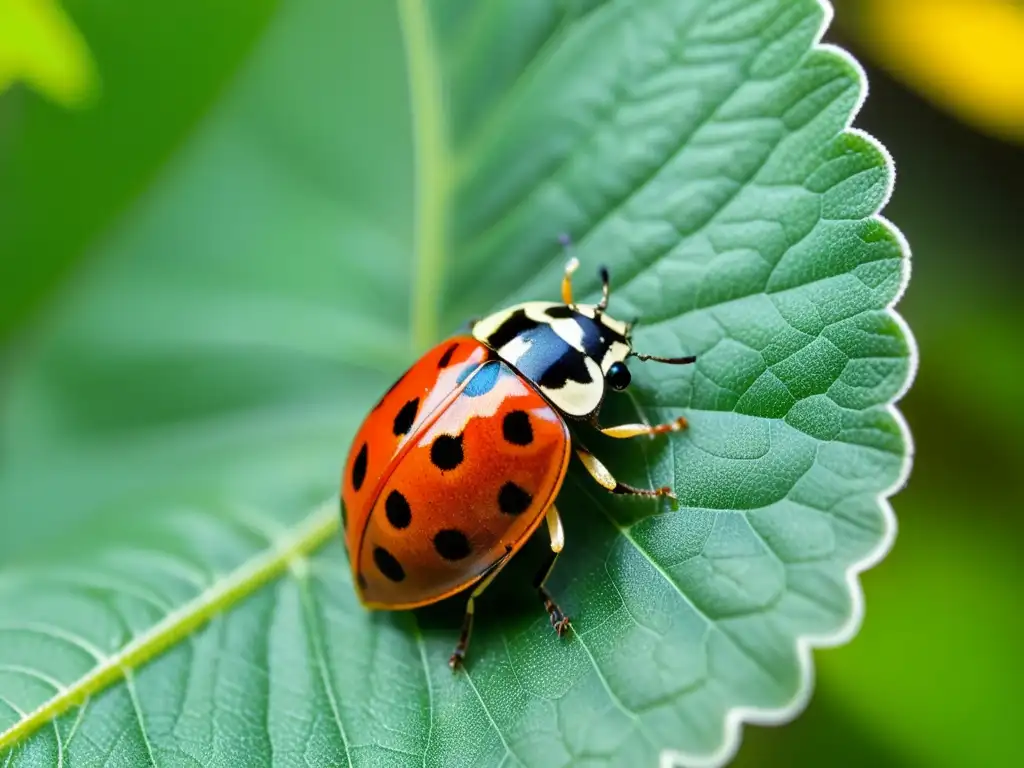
x: 433, y: 165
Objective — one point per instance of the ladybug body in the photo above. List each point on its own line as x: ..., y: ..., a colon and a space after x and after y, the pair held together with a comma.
x: 456, y: 479
x: 462, y: 459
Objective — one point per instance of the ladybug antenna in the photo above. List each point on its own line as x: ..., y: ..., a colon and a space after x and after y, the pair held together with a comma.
x: 670, y: 360
x: 605, y: 290
x: 571, y: 266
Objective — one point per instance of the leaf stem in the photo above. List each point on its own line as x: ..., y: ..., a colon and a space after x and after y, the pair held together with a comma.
x: 433, y: 170
x: 309, y: 535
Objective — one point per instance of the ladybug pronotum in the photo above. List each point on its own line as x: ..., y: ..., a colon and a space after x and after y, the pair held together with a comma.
x: 461, y: 460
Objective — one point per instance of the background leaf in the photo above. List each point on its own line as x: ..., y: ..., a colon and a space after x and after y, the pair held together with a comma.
x: 182, y: 416
x: 66, y: 176
x: 42, y: 49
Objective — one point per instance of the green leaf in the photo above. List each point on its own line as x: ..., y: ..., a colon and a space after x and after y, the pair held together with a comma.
x: 375, y: 177
x: 65, y: 177
x: 41, y: 47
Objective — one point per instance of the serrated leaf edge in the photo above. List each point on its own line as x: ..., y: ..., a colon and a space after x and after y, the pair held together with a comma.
x: 286, y: 553
x: 736, y: 717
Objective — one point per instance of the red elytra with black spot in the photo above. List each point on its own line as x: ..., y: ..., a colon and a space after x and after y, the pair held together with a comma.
x: 449, y: 474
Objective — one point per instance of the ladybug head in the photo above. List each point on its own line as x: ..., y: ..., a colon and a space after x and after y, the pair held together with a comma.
x: 573, y: 353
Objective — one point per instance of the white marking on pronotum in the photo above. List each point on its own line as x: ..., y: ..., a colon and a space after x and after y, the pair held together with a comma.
x: 578, y: 399
x: 486, y: 327
x: 569, y: 331
x: 616, y: 353
x: 515, y: 350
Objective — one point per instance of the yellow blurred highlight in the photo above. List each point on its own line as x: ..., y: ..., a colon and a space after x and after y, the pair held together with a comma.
x: 966, y: 55
x: 40, y: 46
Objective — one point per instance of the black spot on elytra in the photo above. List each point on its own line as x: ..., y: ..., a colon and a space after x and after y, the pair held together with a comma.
x: 359, y: 467
x: 484, y: 380
x: 516, y: 429
x: 446, y: 451
x: 405, y: 417
x: 447, y: 356
x: 513, y: 500
x: 397, y: 510
x: 451, y: 544
x: 387, y: 564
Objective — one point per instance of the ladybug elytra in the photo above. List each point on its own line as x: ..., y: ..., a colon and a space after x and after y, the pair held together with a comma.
x: 461, y: 460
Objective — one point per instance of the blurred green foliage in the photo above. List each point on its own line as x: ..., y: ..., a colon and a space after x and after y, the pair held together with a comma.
x: 66, y: 174
x: 42, y: 48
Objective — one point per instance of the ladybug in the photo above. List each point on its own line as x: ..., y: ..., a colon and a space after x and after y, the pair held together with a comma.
x: 461, y: 460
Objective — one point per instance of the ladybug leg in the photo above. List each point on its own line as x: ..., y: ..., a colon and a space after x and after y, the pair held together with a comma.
x: 635, y: 430
x: 604, y: 478
x: 456, y: 659
x: 559, y: 620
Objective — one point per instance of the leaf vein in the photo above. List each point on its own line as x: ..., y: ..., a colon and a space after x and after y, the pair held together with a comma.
x: 433, y: 168
x: 317, y: 528
x: 79, y: 717
x: 422, y: 644
x: 496, y: 118
x: 675, y: 586
x: 129, y: 681
x: 490, y: 718
x: 313, y: 628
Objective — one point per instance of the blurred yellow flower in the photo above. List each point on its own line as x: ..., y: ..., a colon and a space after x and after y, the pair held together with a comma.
x: 40, y: 46
x: 965, y: 55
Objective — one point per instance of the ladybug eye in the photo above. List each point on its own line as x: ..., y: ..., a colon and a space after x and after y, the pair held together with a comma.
x: 618, y: 377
